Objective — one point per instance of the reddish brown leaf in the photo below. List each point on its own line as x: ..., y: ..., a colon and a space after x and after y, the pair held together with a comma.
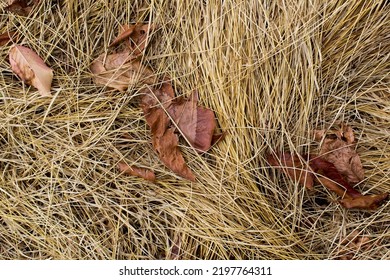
x: 333, y: 181
x: 174, y: 253
x: 119, y: 71
x: 338, y: 148
x: 352, y: 244
x: 6, y: 37
x: 31, y: 68
x: 370, y: 202
x: 21, y: 7
x: 164, y: 140
x: 196, y: 124
x: 136, y: 171
x: 124, y: 33
x: 137, y: 35
x: 293, y: 167
x: 322, y: 171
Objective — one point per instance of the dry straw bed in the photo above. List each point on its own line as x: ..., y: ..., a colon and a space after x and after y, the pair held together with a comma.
x: 272, y: 71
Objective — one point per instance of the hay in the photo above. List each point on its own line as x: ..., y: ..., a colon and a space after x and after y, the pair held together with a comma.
x: 271, y: 70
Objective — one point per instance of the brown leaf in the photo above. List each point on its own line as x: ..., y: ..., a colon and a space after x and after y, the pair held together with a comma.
x: 352, y: 244
x: 31, y: 68
x: 370, y: 202
x: 6, y: 37
x: 196, y: 124
x: 119, y: 71
x: 332, y: 178
x: 21, y: 7
x: 137, y: 35
x: 164, y: 140
x: 293, y: 167
x: 136, y: 171
x: 174, y: 253
x: 322, y: 171
x: 338, y: 148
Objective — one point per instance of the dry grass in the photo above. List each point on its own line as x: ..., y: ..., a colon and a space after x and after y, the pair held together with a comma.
x: 271, y: 70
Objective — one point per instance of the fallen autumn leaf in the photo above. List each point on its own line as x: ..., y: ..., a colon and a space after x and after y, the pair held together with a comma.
x: 133, y: 170
x: 164, y: 140
x: 137, y: 35
x: 20, y: 7
x: 119, y: 71
x: 339, y: 149
x: 6, y: 37
x: 324, y: 172
x: 31, y: 68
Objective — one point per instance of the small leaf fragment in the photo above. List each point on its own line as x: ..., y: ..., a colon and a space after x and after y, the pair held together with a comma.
x: 293, y: 167
x: 21, y: 7
x: 133, y: 170
x: 31, y: 68
x: 137, y: 35
x: 352, y: 244
x: 174, y: 252
x: 6, y: 37
x: 370, y: 202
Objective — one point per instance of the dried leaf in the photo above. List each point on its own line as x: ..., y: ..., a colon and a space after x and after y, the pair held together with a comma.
x: 332, y: 178
x: 119, y: 71
x: 353, y: 244
x: 370, y: 202
x: 124, y: 33
x: 196, y: 124
x: 322, y: 171
x: 21, y: 7
x: 31, y: 69
x: 293, y: 167
x: 338, y: 148
x: 137, y: 35
x: 164, y: 140
x: 6, y: 37
x: 174, y: 253
x: 136, y: 171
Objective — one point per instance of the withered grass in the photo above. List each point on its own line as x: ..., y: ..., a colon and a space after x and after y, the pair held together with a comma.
x: 272, y: 71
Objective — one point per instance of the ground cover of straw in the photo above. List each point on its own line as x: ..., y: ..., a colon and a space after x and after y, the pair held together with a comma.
x: 272, y: 71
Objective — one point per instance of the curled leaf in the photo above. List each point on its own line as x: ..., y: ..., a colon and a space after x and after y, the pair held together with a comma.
x: 339, y: 149
x: 136, y: 171
x: 137, y: 35
x: 324, y: 172
x: 370, y: 202
x: 31, y: 69
x: 119, y: 71
x: 197, y: 124
x: 331, y: 178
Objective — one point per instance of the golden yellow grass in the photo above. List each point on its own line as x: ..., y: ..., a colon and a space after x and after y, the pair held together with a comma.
x: 273, y: 71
